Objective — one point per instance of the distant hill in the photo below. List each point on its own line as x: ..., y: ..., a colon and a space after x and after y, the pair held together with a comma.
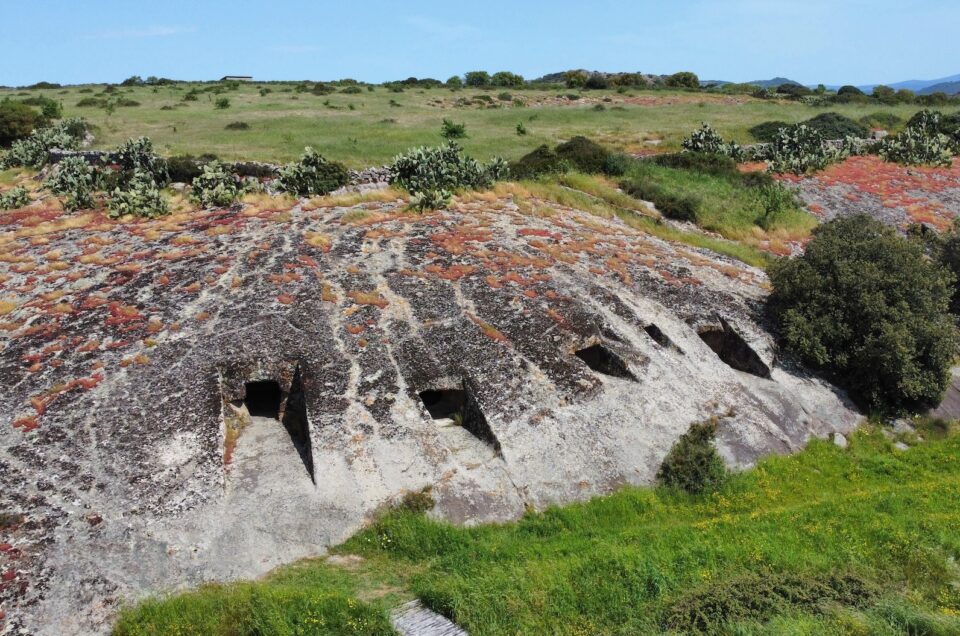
x: 950, y: 88
x: 776, y: 82
x: 922, y: 87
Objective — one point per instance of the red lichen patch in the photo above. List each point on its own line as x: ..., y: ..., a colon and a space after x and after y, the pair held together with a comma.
x: 355, y: 329
x: 26, y: 424
x: 203, y: 316
x: 488, y: 330
x: 285, y: 299
x: 541, y: 233
x: 910, y: 188
x: 368, y: 298
x: 454, y: 272
x: 455, y: 241
x: 121, y: 314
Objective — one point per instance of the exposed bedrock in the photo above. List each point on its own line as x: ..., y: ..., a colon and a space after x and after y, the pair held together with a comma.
x: 214, y: 394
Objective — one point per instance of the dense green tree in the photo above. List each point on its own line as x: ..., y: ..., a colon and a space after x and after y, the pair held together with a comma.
x: 576, y: 79
x: 478, y: 78
x: 884, y: 94
x: 455, y: 82
x: 869, y: 306
x: 684, y: 79
x: 507, y: 79
x: 17, y: 121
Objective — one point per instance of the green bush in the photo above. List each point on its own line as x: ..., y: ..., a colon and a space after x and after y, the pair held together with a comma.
x: 185, y: 168
x: 214, y: 186
x: 759, y: 597
x: 32, y: 151
x: 14, y: 198
x: 776, y: 200
x: 191, y: 96
x: 312, y: 175
x: 17, y: 121
x: 75, y: 179
x: 767, y: 131
x: 868, y: 306
x: 139, y: 195
x: 836, y: 126
x: 542, y: 160
x: 49, y: 108
x: 477, y: 78
x: 237, y: 125
x: 351, y: 90
x: 584, y: 155
x: 222, y: 103
x: 521, y: 129
x: 684, y: 79
x: 799, y: 149
x: 693, y: 464
x: 706, y: 140
x: 706, y: 163
x: 880, y: 119
x: 92, y: 102
x: 431, y: 175
x: 450, y: 130
x: 670, y: 205
x: 921, y: 142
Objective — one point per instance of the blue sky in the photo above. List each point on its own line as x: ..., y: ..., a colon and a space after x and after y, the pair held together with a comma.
x: 830, y: 41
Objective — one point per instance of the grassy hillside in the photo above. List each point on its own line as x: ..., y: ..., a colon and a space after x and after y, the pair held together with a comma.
x: 370, y: 128
x: 862, y: 540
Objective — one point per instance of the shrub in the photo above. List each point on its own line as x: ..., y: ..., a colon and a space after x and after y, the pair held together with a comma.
x: 431, y: 175
x: 450, y: 130
x: 312, y: 175
x: 706, y: 140
x: 836, y: 126
x: 214, y: 186
x: 477, y: 78
x: 865, y: 304
x: 705, y: 163
x: 75, y: 179
x: 92, y: 102
x: 767, y: 131
x: 191, y: 95
x: 351, y: 90
x: 543, y: 160
x: 775, y: 199
x: 237, y: 125
x: 139, y: 196
x: 670, y: 205
x: 684, y: 79
x: 507, y: 79
x: 921, y: 142
x: 799, y: 149
x: 185, y: 168
x: 693, y: 464
x: 711, y: 609
x: 14, y: 198
x: 881, y: 119
x: 17, y: 121
x: 222, y: 103
x: 455, y: 81
x: 521, y: 129
x: 32, y: 152
x: 584, y: 155
x: 49, y: 108
x: 137, y: 155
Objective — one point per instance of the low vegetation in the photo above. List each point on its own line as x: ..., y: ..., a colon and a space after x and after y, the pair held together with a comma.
x: 312, y: 175
x: 828, y: 541
x: 867, y: 305
x: 432, y: 175
x: 693, y: 464
x: 922, y: 142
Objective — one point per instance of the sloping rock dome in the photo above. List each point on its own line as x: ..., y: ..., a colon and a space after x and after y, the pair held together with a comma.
x: 506, y: 356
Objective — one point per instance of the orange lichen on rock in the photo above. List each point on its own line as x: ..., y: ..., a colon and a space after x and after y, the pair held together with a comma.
x: 488, y: 330
x: 368, y: 298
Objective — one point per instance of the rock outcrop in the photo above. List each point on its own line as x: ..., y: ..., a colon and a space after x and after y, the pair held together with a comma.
x: 504, y: 356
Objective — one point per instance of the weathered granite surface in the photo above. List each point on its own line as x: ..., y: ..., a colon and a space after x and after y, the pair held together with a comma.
x: 124, y: 345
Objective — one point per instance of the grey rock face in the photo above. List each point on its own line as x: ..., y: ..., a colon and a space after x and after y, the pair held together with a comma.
x: 571, y: 349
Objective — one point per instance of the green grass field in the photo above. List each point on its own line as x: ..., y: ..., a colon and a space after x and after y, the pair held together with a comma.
x: 374, y: 131
x: 862, y: 540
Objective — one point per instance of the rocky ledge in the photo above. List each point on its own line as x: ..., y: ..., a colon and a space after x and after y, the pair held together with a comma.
x: 211, y: 394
